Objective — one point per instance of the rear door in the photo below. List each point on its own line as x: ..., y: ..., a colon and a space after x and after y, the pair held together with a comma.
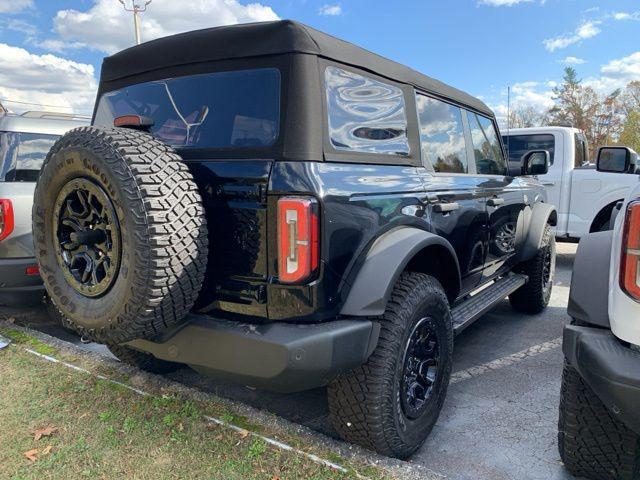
x: 454, y: 192
x: 504, y: 196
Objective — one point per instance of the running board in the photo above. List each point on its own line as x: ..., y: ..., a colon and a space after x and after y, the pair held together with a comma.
x: 480, y: 303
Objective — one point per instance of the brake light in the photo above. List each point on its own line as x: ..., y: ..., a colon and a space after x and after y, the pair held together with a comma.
x: 298, y: 244
x: 630, y: 264
x: 6, y: 218
x: 32, y: 270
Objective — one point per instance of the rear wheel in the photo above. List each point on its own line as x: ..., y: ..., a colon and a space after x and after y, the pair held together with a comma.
x: 592, y: 443
x: 120, y: 233
x: 391, y: 403
x: 534, y: 296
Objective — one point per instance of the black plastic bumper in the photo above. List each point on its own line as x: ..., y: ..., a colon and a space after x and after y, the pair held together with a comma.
x: 16, y: 287
x: 280, y: 356
x: 609, y: 367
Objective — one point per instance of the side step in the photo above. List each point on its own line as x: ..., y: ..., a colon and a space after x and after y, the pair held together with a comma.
x: 480, y: 303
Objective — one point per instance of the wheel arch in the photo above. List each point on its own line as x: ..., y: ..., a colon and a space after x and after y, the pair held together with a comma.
x: 603, y: 216
x: 400, y: 249
x: 537, y: 219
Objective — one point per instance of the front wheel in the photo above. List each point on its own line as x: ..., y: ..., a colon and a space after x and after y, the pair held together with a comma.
x: 534, y: 296
x: 391, y: 403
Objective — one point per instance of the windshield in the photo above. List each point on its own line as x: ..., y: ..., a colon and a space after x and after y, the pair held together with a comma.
x: 22, y: 155
x: 239, y: 109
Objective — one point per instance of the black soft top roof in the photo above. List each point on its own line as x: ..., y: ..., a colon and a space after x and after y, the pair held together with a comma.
x: 267, y: 38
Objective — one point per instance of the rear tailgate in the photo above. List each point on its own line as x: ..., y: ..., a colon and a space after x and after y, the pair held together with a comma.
x: 234, y: 193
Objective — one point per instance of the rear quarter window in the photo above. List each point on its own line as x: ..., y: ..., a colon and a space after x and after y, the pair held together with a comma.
x: 225, y: 110
x: 364, y: 114
x: 22, y: 155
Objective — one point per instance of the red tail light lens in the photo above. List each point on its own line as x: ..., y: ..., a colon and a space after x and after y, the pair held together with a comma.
x: 630, y: 265
x: 298, y: 244
x: 6, y: 218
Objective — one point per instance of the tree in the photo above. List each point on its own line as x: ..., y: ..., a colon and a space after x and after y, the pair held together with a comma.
x: 599, y: 117
x: 523, y: 117
x: 630, y: 135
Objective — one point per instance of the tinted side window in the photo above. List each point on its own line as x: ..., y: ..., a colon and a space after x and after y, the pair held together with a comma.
x: 22, y: 155
x: 442, y: 135
x: 365, y: 115
x: 486, y: 146
x: 581, y: 153
x: 518, y: 145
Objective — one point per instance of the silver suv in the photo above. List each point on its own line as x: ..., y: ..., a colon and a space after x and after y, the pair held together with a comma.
x: 24, y: 142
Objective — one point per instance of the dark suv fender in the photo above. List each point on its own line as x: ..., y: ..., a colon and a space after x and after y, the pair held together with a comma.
x: 384, y: 263
x: 537, y: 218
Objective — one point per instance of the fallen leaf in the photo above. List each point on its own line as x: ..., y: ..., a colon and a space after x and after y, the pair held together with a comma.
x: 47, y: 450
x: 32, y: 454
x: 44, y: 432
x: 243, y: 433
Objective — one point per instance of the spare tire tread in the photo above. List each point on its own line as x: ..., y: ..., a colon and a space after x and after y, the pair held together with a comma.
x: 169, y: 229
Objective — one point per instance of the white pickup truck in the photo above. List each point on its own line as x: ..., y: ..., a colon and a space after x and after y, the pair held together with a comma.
x: 599, y: 424
x: 583, y: 196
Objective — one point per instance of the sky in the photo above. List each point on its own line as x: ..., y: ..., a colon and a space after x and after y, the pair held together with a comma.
x: 51, y: 50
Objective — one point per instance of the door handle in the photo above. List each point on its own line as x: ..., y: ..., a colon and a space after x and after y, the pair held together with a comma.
x: 548, y: 184
x: 446, y: 207
x: 494, y: 202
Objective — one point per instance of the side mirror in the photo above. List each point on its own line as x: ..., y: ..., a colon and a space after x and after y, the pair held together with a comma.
x: 536, y: 162
x: 616, y: 160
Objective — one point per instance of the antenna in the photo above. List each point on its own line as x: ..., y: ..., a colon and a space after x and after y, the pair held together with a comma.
x: 136, y: 9
x: 508, y: 118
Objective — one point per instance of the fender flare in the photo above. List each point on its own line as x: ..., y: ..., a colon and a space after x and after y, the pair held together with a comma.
x: 384, y: 263
x: 541, y: 215
x: 589, y: 294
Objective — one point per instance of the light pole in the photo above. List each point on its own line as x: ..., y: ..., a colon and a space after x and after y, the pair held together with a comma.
x: 136, y: 9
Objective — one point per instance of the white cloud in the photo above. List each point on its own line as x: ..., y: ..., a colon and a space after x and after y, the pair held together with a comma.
x: 56, y: 45
x: 108, y: 28
x: 616, y: 74
x: 330, y: 10
x: 21, y: 26
x: 585, y: 30
x: 15, y: 6
x: 621, y: 16
x: 572, y: 60
x: 45, y: 79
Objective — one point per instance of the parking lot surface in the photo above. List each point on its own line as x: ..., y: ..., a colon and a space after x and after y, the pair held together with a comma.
x: 500, y: 417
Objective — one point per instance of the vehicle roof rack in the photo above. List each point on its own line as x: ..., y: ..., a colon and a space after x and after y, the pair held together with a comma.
x: 54, y: 115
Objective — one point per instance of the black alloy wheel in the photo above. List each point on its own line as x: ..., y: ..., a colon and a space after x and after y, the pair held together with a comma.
x: 420, y: 371
x: 88, y: 234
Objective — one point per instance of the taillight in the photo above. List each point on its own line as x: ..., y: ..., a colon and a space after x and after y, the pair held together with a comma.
x: 298, y: 244
x: 6, y: 218
x: 630, y: 264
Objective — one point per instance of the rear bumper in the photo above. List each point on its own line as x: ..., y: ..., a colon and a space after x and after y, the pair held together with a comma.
x: 16, y: 287
x: 279, y: 356
x: 609, y: 367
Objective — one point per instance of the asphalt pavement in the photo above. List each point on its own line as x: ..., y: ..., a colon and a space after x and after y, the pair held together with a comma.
x: 500, y: 417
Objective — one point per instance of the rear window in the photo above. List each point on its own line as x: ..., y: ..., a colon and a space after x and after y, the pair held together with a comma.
x: 518, y: 145
x: 238, y: 109
x: 22, y: 155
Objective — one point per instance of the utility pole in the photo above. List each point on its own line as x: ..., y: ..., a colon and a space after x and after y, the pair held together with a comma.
x: 136, y: 9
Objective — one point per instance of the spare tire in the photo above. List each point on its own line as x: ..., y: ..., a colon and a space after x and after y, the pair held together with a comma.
x: 120, y: 233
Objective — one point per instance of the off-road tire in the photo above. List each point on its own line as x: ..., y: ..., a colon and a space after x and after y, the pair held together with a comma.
x: 161, y: 223
x: 533, y: 297
x: 143, y: 361
x: 592, y: 443
x: 364, y: 404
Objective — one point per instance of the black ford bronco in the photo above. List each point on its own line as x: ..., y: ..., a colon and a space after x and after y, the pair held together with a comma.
x: 273, y: 205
